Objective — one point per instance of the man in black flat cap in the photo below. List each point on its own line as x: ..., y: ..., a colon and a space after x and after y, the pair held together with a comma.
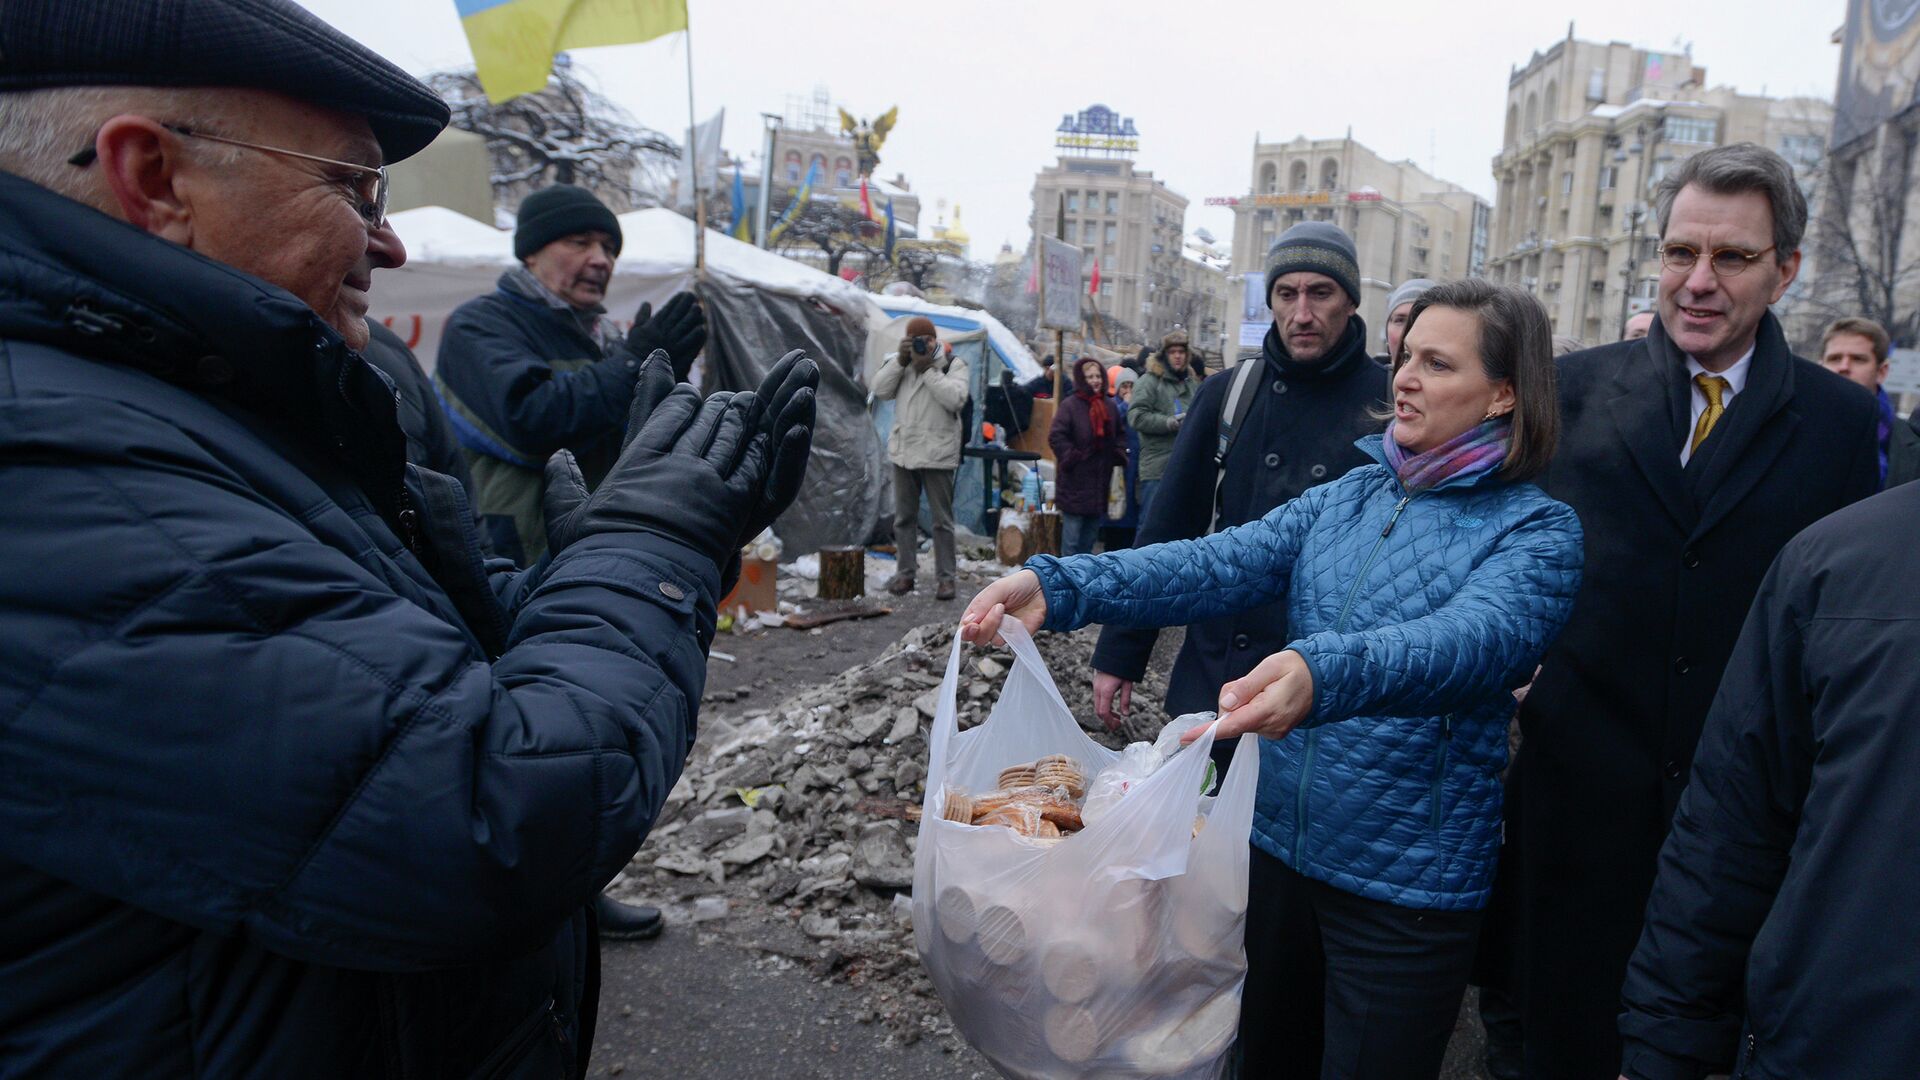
x: 292, y: 782
x: 536, y: 366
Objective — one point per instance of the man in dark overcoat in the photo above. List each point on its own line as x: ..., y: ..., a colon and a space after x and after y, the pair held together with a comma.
x: 1692, y: 456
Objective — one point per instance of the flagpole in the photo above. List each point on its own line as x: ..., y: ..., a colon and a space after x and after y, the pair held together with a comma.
x: 699, y: 203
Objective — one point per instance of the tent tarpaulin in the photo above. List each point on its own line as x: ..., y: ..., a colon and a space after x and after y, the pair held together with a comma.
x: 759, y: 306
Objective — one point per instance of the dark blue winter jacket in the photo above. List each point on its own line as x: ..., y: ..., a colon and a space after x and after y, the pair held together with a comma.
x: 520, y: 379
x: 1780, y: 937
x: 292, y: 784
x: 1417, y: 614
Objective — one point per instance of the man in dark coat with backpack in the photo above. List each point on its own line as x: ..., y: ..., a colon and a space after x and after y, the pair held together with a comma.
x: 1256, y: 436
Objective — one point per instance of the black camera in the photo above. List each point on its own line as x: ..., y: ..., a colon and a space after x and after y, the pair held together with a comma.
x: 922, y: 345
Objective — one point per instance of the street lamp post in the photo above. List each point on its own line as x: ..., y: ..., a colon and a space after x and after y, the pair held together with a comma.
x: 1644, y: 137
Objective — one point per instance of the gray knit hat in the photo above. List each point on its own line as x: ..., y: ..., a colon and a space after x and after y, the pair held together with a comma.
x: 1319, y: 246
x: 1407, y: 292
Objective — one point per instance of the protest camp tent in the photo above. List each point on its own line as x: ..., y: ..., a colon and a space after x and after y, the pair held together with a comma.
x: 758, y: 305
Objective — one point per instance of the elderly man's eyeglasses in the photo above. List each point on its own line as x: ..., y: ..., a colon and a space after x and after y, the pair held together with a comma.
x: 369, y: 184
x: 1726, y: 261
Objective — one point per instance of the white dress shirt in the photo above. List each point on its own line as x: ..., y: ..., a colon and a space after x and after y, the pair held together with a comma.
x: 1736, y: 377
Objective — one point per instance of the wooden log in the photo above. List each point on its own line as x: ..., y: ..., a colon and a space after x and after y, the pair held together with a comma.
x: 843, y: 572
x: 1043, y: 534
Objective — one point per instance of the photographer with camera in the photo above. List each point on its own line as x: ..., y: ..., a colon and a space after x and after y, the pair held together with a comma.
x: 929, y: 387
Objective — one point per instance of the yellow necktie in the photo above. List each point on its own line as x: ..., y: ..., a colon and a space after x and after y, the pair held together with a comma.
x: 1712, y: 386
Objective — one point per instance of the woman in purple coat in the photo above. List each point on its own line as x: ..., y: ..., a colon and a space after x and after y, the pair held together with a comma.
x: 1089, y: 440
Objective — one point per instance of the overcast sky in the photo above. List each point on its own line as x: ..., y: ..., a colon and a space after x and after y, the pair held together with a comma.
x: 982, y: 85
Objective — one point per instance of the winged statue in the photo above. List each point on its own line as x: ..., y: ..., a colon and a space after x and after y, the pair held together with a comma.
x: 868, y: 136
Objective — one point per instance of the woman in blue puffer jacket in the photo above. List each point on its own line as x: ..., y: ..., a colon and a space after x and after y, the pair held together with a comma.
x: 1420, y: 592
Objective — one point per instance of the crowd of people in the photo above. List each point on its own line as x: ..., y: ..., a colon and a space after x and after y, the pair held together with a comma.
x: 1598, y: 674
x: 336, y: 692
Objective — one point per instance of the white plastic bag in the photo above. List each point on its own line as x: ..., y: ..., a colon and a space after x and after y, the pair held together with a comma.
x: 1116, y: 952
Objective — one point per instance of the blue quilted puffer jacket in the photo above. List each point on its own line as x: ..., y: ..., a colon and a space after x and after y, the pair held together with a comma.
x: 1418, y: 615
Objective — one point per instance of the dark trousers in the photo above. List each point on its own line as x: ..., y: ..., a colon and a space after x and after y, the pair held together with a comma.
x: 1080, y: 532
x: 1340, y: 987
x: 907, y: 486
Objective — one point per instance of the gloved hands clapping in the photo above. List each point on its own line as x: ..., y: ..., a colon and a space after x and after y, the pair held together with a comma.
x: 689, y: 471
x: 784, y: 413
x: 679, y: 329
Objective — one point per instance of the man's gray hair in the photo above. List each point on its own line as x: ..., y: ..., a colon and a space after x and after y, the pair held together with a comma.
x: 41, y: 129
x: 1736, y: 169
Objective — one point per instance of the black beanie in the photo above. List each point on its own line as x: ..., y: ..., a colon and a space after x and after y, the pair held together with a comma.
x: 1319, y: 246
x: 557, y: 211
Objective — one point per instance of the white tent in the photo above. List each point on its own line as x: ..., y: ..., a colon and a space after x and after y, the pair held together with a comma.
x: 758, y: 306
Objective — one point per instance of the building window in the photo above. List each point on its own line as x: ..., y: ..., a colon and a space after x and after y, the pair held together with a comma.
x: 1597, y: 84
x: 1329, y: 174
x: 1093, y: 201
x: 1297, y: 177
x: 1691, y: 129
x: 1113, y: 202
x: 1609, y: 176
x: 1802, y: 151
x: 817, y: 165
x: 1089, y: 230
x: 1566, y: 183
x: 1112, y: 233
x: 843, y: 172
x: 793, y: 166
x: 1073, y: 201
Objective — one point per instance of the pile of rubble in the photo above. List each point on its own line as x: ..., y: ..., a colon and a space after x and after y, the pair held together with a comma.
x: 807, y: 807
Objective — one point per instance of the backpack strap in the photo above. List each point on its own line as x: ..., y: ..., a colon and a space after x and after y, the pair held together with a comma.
x: 1232, y: 415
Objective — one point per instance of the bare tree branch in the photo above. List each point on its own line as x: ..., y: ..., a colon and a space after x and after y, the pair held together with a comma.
x: 567, y: 133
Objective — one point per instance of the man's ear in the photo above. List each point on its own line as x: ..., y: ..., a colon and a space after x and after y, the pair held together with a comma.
x: 141, y: 163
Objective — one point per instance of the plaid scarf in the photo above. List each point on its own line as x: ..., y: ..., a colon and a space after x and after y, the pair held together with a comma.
x: 603, y: 332
x: 1474, y: 452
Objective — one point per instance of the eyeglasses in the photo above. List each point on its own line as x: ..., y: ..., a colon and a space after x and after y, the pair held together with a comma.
x: 370, y: 185
x: 1726, y: 261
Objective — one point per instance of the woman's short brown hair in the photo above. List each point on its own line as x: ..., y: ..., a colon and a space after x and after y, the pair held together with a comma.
x: 1516, y: 344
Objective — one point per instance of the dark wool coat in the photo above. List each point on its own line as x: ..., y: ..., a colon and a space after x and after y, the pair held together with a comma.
x: 1083, y: 463
x: 520, y: 380
x: 1299, y: 433
x: 1674, y: 557
x: 1781, y: 933
x: 292, y: 783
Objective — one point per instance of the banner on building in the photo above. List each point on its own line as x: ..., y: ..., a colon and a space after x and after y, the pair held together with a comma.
x: 1879, y: 67
x: 1060, y: 287
x: 1254, y: 316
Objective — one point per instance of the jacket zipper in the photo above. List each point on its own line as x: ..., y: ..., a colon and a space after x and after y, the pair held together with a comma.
x: 1440, y: 770
x: 520, y: 1043
x: 1313, y: 735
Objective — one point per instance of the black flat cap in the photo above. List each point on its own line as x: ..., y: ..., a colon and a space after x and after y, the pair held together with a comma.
x: 260, y: 44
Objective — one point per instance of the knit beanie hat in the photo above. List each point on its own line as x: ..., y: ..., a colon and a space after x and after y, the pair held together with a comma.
x: 557, y: 211
x: 1318, y: 246
x: 1118, y: 377
x: 1408, y: 291
x: 921, y: 326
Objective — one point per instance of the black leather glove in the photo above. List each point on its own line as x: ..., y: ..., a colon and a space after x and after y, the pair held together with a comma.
x: 689, y: 471
x: 679, y: 330
x: 783, y: 411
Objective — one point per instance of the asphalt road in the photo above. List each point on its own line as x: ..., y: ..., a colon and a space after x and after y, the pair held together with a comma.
x: 695, y: 1005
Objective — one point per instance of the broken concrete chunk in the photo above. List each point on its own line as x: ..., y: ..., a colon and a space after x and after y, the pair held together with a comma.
x: 750, y: 850
x: 881, y: 858
x: 905, y: 723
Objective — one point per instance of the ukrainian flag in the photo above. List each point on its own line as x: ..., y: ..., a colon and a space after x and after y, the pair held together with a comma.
x: 514, y: 41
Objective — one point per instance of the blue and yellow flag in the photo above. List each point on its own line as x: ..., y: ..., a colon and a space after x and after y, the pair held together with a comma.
x: 742, y: 226
x: 514, y: 41
x: 799, y: 204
